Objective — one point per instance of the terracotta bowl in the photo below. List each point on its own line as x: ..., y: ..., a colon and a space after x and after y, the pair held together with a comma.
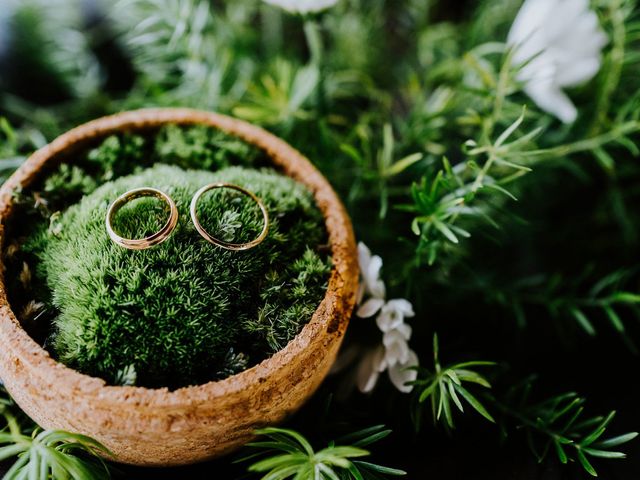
x: 158, y: 427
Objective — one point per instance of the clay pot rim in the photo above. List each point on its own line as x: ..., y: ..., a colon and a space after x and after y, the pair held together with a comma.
x: 341, y: 286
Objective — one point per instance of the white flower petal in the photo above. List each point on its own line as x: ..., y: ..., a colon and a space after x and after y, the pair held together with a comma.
x: 371, y: 277
x: 369, y: 369
x: 558, y: 43
x: 402, y: 306
x: 392, y: 337
x: 393, y: 314
x: 531, y: 16
x: 373, y: 268
x: 377, y: 289
x: 586, y: 68
x: 401, y: 374
x: 364, y: 255
x: 379, y: 359
x: 367, y: 377
x: 370, y: 267
x: 554, y: 101
x: 370, y: 307
x: 396, y: 348
x: 405, y: 330
x: 303, y: 6
x: 388, y: 319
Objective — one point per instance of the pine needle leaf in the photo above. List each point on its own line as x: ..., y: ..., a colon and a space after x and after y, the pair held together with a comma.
x: 474, y: 403
x: 619, y: 440
x: 585, y: 464
x: 583, y: 321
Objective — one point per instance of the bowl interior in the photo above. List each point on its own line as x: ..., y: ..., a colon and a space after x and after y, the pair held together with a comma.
x: 331, y: 316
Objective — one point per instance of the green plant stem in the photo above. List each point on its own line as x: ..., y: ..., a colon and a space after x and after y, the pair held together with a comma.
x: 584, y: 145
x: 523, y: 419
x: 14, y: 425
x: 271, y: 29
x: 615, y: 62
x: 580, y: 302
x: 501, y: 91
x: 314, y: 41
x: 489, y: 126
x: 316, y: 49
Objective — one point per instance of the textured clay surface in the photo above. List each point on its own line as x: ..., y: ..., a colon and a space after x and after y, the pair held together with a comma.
x: 155, y: 426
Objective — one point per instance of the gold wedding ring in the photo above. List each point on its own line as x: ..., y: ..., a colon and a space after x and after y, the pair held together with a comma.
x: 228, y: 245
x: 142, y: 243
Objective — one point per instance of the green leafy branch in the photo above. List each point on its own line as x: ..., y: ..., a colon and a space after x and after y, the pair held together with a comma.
x: 8, y: 419
x: 559, y: 424
x: 183, y: 52
x: 440, y: 200
x: 52, y: 454
x: 287, y: 454
x: 474, y: 187
x: 622, y: 134
x: 281, y: 96
x: 379, y: 167
x: 562, y: 298
x: 618, y: 14
x: 444, y: 387
x: 12, y: 144
x: 43, y: 454
x: 608, y: 303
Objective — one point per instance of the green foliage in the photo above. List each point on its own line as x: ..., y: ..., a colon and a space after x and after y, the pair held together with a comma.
x: 62, y: 54
x: 203, y: 148
x: 276, y: 325
x: 69, y: 183
x: 287, y: 454
x: 183, y: 48
x: 52, y: 454
x: 560, y: 424
x: 8, y: 150
x: 471, y: 191
x: 195, y: 147
x: 126, y: 377
x: 508, y: 217
x: 610, y: 299
x: 13, y: 144
x: 46, y: 454
x: 380, y: 167
x: 444, y: 387
x: 280, y: 96
x: 6, y: 406
x: 112, y: 306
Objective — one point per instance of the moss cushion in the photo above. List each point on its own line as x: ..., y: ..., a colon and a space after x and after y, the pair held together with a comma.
x: 185, y: 311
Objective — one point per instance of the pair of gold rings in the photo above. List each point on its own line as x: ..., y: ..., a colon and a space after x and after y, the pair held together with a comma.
x: 164, y: 233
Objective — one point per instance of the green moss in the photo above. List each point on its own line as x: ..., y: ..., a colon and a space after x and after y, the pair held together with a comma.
x: 193, y: 147
x: 185, y: 311
x: 118, y: 155
x: 69, y: 184
x: 202, y: 147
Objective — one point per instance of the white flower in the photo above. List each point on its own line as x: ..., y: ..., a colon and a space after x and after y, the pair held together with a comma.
x: 402, y: 373
x: 393, y: 354
x: 396, y: 346
x: 374, y: 363
x: 393, y: 313
x: 303, y: 6
x: 559, y: 44
x: 370, y: 307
